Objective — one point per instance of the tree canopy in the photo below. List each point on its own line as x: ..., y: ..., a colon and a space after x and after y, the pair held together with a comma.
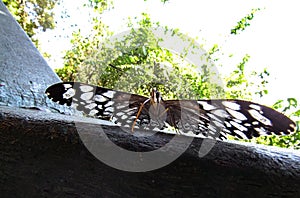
x: 33, y: 15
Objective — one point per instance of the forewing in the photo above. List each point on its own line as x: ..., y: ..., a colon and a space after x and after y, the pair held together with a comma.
x: 119, y: 107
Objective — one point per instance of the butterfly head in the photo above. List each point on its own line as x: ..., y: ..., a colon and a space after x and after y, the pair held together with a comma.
x: 155, y: 96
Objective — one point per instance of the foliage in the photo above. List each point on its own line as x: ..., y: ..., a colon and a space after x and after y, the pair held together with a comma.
x: 100, y: 6
x: 33, y: 15
x: 163, y: 1
x: 82, y: 47
x: 81, y: 50
x: 136, y: 62
x: 239, y: 84
x: 244, y: 22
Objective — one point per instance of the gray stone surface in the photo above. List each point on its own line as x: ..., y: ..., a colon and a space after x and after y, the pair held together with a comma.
x: 43, y: 156
x: 24, y: 73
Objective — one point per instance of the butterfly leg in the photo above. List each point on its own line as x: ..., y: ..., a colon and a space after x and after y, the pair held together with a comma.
x: 138, y: 114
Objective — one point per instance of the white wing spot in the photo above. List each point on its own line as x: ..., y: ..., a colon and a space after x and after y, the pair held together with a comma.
x: 226, y: 131
x: 109, y: 94
x: 256, y: 107
x: 247, y: 124
x: 86, y: 88
x: 128, y: 121
x: 228, y: 125
x: 231, y: 105
x: 67, y: 86
x: 87, y: 96
x: 109, y: 103
x: 261, y: 131
x: 100, y: 98
x: 255, y: 123
x: 124, y: 117
x: 223, y: 133
x: 100, y: 107
x: 201, y: 122
x: 106, y: 113
x: 202, y: 127
x: 240, y: 134
x: 237, y: 120
x: 69, y: 93
x: 293, y: 126
x: 236, y: 114
x: 220, y: 113
x: 256, y: 115
x: 111, y: 109
x: 238, y: 126
x: 93, y: 112
x: 119, y: 114
x: 206, y: 106
x: 91, y: 106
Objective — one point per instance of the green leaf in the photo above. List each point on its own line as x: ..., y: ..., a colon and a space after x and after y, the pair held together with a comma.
x: 292, y: 102
x: 297, y: 113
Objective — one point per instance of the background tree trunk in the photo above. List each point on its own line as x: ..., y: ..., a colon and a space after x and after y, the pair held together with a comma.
x: 42, y: 155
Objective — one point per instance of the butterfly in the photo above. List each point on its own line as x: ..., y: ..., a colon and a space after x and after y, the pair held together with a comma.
x: 215, y: 118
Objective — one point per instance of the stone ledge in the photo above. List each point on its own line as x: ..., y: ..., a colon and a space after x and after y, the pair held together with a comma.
x: 42, y: 155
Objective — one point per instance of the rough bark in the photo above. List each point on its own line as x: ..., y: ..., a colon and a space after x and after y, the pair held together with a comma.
x: 42, y: 155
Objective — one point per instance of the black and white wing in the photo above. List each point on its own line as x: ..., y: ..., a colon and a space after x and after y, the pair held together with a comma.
x: 116, y: 106
x: 209, y: 118
x: 219, y: 118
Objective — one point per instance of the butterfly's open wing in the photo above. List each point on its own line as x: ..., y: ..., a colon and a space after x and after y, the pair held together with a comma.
x: 217, y: 118
x: 116, y: 106
x: 211, y: 118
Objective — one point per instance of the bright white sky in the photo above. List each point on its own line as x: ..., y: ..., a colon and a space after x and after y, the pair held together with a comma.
x: 272, y: 40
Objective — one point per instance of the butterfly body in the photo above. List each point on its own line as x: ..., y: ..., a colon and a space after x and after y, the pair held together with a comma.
x: 210, y: 118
